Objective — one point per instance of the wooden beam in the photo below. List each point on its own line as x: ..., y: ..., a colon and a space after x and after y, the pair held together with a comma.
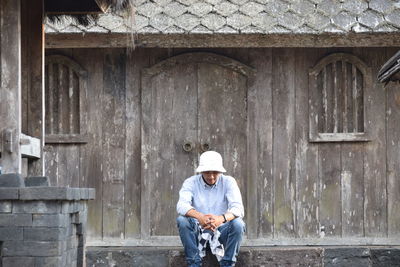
x: 102, y: 40
x: 33, y: 67
x: 10, y: 85
x: 30, y: 147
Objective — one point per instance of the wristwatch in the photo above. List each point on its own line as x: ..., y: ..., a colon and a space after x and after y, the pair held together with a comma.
x: 223, y: 215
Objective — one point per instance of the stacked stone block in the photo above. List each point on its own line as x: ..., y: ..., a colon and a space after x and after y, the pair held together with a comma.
x: 43, y: 226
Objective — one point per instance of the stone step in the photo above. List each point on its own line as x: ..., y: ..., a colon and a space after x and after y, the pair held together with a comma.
x: 249, y: 256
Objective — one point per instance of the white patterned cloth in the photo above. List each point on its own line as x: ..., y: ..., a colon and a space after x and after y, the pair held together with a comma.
x: 210, y: 237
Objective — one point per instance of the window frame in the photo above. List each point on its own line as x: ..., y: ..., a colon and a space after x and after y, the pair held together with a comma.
x: 314, y: 134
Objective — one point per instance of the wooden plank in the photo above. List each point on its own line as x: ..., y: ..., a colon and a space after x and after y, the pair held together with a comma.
x: 223, y: 118
x: 393, y: 156
x: 352, y: 189
x: 284, y: 143
x: 375, y: 180
x: 30, y: 147
x: 91, y: 171
x: 10, y: 79
x: 259, y: 189
x: 330, y: 189
x: 101, y: 40
x: 113, y: 160
x: 135, y: 62
x: 51, y: 159
x: 36, y: 102
x: 307, y: 195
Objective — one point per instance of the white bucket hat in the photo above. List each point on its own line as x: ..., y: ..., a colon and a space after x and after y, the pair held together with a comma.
x: 210, y: 161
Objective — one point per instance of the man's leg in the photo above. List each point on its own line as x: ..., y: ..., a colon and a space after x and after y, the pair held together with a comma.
x: 231, y: 236
x: 188, y: 231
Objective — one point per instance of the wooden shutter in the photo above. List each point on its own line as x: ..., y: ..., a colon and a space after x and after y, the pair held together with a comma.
x: 337, y: 87
x: 65, y: 99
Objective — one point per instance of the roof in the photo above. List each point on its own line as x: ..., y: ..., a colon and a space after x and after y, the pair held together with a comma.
x: 246, y: 16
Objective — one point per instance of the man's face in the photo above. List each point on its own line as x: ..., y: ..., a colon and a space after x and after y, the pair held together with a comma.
x: 211, y: 177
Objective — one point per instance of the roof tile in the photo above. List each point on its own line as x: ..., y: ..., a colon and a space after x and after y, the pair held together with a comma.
x: 226, y: 29
x: 201, y: 29
x: 382, y: 6
x: 140, y: 22
x: 290, y: 21
x: 200, y: 9
x: 302, y: 7
x: 251, y: 8
x: 394, y: 18
x: 317, y: 21
x: 252, y: 29
x: 187, y: 21
x: 226, y: 8
x: 355, y: 6
x: 238, y: 21
x: 264, y: 21
x: 174, y: 29
x: 162, y: 2
x: 276, y: 7
x: 161, y: 21
x: 213, y: 21
x: 371, y: 19
x: 148, y: 9
x: 174, y: 9
x: 110, y: 22
x: 329, y: 7
x: 344, y: 21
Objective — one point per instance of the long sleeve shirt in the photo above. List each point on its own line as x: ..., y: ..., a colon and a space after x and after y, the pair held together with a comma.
x: 224, y: 196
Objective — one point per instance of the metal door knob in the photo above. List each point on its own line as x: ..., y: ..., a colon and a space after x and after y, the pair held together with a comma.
x: 205, y: 147
x: 188, y: 146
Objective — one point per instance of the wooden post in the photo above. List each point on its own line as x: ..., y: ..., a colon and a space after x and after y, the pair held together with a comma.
x: 33, y: 67
x: 10, y: 85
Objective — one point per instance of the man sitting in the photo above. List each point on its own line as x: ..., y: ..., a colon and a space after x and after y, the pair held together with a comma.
x: 210, y: 203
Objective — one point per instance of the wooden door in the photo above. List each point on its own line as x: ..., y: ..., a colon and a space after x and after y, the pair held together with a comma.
x: 196, y: 98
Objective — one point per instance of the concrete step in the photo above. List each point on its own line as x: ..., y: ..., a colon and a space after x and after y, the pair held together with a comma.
x: 249, y: 256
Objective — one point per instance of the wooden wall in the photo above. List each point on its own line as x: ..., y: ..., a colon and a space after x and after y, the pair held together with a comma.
x: 294, y: 189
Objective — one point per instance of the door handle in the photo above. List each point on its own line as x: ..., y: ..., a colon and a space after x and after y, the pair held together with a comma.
x: 188, y: 146
x: 205, y: 147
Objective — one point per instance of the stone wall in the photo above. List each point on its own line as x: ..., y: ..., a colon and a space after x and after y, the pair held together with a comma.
x: 249, y: 256
x: 42, y: 226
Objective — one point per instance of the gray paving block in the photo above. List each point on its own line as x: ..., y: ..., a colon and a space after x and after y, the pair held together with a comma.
x: 61, y: 220
x: 287, y: 257
x: 51, y: 261
x: 15, y: 220
x: 17, y: 261
x: 45, y: 233
x: 11, y: 180
x: 33, y: 248
x: 385, y: 257
x: 37, y: 207
x: 346, y: 257
x: 5, y: 206
x: 11, y: 233
x: 9, y: 193
x: 43, y: 193
x: 37, y: 181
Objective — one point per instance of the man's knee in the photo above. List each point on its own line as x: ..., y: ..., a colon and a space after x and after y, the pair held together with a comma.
x: 182, y: 221
x: 238, y: 226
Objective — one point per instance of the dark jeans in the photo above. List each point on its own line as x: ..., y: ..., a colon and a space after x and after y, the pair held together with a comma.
x: 231, y: 236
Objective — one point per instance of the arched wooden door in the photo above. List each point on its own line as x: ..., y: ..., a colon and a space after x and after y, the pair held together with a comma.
x: 197, y: 99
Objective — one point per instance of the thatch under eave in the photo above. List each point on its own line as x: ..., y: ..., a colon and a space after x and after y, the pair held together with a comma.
x: 84, y: 12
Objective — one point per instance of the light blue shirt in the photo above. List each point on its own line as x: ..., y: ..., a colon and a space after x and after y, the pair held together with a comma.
x: 224, y: 196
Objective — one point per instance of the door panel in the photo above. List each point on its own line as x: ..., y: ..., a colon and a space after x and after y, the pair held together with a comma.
x: 223, y: 117
x: 196, y: 98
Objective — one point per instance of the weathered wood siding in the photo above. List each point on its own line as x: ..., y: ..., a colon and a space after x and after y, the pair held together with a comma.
x: 293, y: 188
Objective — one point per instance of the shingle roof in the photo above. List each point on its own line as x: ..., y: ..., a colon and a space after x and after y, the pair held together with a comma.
x: 247, y: 16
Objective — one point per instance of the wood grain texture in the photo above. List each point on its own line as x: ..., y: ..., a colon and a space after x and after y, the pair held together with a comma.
x: 283, y: 96
x: 10, y: 93
x: 91, y: 171
x: 307, y: 182
x: 113, y: 138
x: 135, y: 61
x: 375, y: 183
x: 260, y: 217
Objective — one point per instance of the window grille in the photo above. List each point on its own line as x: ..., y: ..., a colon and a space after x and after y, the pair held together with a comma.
x: 65, y: 100
x: 337, y: 86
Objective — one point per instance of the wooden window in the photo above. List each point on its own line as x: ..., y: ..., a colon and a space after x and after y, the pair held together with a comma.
x: 337, y: 86
x: 65, y: 98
